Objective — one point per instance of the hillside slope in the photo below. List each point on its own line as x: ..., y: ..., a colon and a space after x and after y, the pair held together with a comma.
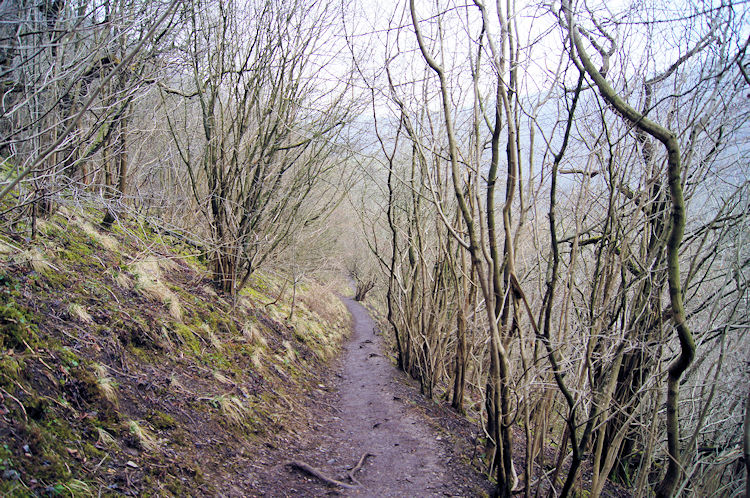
x: 123, y: 372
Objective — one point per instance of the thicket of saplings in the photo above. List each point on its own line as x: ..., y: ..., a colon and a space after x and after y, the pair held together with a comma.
x: 549, y: 202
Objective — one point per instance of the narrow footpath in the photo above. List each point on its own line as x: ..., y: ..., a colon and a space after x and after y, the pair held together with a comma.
x: 413, y: 443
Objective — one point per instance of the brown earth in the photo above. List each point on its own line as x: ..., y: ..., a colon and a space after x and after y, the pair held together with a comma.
x: 418, y: 448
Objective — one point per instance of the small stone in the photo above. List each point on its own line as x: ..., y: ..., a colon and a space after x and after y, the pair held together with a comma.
x: 11, y: 475
x: 132, y: 464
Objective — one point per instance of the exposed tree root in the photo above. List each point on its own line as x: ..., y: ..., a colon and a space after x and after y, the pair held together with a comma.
x: 316, y: 473
x: 358, y: 467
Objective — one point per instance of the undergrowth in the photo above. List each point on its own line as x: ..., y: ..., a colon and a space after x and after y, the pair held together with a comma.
x: 123, y: 372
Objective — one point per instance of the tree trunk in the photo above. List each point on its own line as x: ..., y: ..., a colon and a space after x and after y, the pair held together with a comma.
x: 674, y: 178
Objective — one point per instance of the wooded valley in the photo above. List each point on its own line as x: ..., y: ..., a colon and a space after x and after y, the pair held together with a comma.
x: 546, y: 205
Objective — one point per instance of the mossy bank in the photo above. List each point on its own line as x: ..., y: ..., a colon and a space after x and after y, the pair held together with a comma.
x: 123, y: 372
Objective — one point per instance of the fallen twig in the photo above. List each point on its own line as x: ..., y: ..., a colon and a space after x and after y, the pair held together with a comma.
x: 316, y: 473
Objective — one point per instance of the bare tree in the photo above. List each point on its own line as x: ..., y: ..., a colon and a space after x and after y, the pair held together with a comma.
x: 55, y: 70
x: 269, y: 126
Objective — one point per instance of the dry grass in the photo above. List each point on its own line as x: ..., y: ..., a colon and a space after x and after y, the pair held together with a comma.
x: 105, y: 384
x: 76, y: 487
x: 105, y: 438
x: 257, y: 359
x: 36, y: 259
x: 323, y: 302
x: 175, y: 310
x: 290, y: 354
x: 212, y: 337
x: 233, y: 409
x: 167, y: 339
x: 252, y: 335
x: 222, y: 378
x: 7, y: 248
x: 79, y: 313
x: 123, y: 280
x: 168, y: 264
x: 109, y: 243
x: 249, y: 332
x: 246, y: 303
x: 148, y: 279
x: 175, y: 384
x: 145, y: 440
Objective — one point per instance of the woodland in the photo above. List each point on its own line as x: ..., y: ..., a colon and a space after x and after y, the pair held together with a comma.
x: 545, y: 204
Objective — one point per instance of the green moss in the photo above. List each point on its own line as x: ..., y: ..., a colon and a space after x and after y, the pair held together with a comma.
x: 58, y: 281
x: 161, y: 420
x: 221, y: 322
x: 96, y: 288
x: 180, y: 437
x: 254, y: 294
x: 187, y: 337
x: 75, y: 245
x: 9, y: 286
x: 16, y: 326
x: 36, y: 408
x: 11, y: 367
x: 68, y: 358
x: 216, y: 360
x: 92, y: 451
x: 49, y: 440
x: 6, y: 457
x: 175, y: 487
x: 257, y: 282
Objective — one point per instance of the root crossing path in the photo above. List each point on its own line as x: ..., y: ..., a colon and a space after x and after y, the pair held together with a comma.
x: 372, y: 408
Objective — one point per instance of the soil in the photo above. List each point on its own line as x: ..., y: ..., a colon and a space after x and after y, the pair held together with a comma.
x: 417, y: 447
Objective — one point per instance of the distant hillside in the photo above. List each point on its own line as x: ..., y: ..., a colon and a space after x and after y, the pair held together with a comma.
x: 123, y: 372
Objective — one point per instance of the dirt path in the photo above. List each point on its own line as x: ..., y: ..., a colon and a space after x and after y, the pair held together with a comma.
x: 371, y: 408
x: 406, y: 452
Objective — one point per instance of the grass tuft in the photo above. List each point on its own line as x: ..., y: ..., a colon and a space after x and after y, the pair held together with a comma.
x: 105, y: 384
x: 37, y: 261
x: 79, y: 312
x: 148, y: 276
x: 222, y: 378
x: 105, y: 438
x: 233, y: 409
x: 123, y: 280
x: 6, y: 248
x: 76, y: 487
x: 176, y: 385
x: 290, y: 354
x: 107, y: 242
x: 252, y: 335
x: 212, y: 337
x: 145, y: 440
x: 257, y: 359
